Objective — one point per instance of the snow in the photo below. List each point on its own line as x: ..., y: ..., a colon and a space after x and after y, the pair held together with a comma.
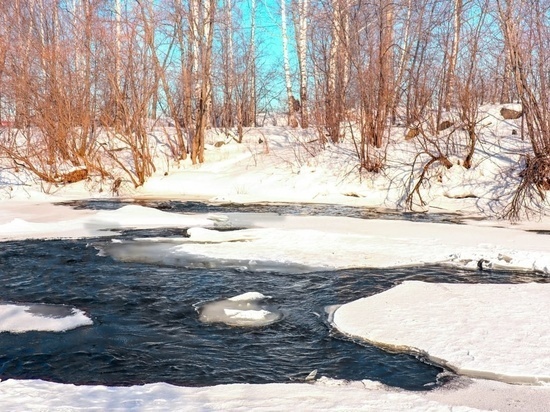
x: 90, y: 224
x: 242, y: 315
x: 490, y: 331
x: 20, y: 318
x: 251, y: 296
x: 325, y: 395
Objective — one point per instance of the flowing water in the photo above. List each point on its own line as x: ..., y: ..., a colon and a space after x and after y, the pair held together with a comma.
x: 313, y: 209
x: 146, y: 327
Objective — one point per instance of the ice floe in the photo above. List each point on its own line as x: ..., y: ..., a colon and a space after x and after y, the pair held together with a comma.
x: 20, y: 318
x: 492, y: 331
x: 292, y: 245
x: 248, y: 309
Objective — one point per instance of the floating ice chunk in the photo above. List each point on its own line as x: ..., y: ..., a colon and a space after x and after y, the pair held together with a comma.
x: 312, y: 375
x: 247, y: 314
x: 218, y: 218
x: 143, y: 217
x: 18, y: 318
x: 249, y: 296
x: 200, y: 234
x: 496, y: 331
x: 248, y: 309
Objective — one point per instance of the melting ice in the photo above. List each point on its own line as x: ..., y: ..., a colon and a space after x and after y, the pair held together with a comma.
x: 249, y: 309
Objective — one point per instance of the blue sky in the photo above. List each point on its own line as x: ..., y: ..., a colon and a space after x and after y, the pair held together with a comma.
x: 269, y: 38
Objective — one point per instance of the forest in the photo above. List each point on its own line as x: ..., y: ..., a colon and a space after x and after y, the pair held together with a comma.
x: 77, y: 75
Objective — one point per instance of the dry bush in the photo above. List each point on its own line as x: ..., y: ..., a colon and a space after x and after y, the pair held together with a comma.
x: 434, y: 150
x: 526, y: 31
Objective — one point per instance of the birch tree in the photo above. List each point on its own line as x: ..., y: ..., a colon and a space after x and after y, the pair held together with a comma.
x: 337, y: 77
x: 404, y: 56
x: 288, y: 82
x: 301, y: 30
x: 453, y: 56
x: 252, y: 65
x: 228, y: 66
x: 202, y: 24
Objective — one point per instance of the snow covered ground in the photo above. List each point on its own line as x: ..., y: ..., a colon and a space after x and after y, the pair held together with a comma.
x: 481, y: 331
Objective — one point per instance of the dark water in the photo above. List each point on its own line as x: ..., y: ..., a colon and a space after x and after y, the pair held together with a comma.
x: 278, y: 208
x: 146, y: 328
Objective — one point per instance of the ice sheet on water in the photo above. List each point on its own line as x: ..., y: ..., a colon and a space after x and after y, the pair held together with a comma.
x: 247, y: 310
x: 20, y: 318
x: 171, y: 252
x: 496, y: 331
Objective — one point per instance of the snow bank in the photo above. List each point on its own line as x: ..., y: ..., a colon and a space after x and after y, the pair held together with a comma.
x: 323, y: 395
x: 143, y: 217
x: 19, y: 318
x: 489, y: 331
x: 89, y: 223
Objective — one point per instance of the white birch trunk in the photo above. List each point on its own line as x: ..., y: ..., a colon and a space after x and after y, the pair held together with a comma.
x: 345, y: 36
x: 208, y: 21
x: 288, y: 83
x: 253, y: 62
x: 302, y: 58
x: 194, y: 24
x: 457, y: 19
x: 334, y: 48
x: 230, y: 61
x: 404, y: 54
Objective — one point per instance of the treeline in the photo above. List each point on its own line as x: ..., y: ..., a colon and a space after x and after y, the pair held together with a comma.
x: 70, y: 67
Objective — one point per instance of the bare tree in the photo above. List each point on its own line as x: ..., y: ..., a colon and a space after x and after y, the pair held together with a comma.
x: 526, y: 34
x: 202, y: 22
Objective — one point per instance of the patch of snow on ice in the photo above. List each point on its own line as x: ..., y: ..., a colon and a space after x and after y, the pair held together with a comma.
x: 200, y: 234
x: 255, y: 315
x: 144, y: 217
x: 251, y: 296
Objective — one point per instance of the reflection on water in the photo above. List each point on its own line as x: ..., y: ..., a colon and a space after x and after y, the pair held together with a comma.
x: 146, y: 329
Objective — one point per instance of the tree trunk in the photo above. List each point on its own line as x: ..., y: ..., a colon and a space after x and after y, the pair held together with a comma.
x: 450, y: 88
x: 204, y: 43
x: 301, y: 46
x: 288, y: 84
x: 333, y: 109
